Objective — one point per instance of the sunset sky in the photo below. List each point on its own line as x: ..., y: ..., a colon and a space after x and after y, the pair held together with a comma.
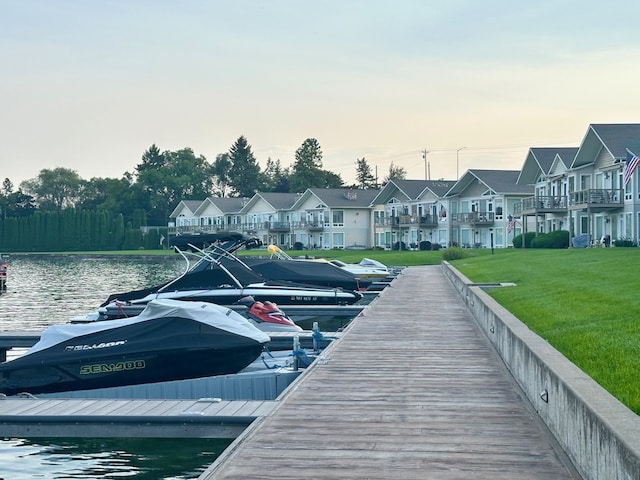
x: 90, y: 85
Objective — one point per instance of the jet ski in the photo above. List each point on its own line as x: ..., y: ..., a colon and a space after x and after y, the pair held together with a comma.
x: 169, y: 340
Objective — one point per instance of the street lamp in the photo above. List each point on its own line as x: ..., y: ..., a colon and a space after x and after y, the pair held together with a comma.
x: 491, y: 232
x: 458, y: 162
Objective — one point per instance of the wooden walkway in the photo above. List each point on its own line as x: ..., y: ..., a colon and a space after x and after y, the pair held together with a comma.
x: 412, y: 390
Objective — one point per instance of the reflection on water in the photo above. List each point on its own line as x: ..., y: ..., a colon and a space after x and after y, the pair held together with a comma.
x: 43, y: 290
x: 144, y: 459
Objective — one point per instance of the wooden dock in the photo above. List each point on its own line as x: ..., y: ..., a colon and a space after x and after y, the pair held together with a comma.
x: 203, y: 418
x: 412, y: 390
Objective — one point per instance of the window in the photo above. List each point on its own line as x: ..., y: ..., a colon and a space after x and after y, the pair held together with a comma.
x: 338, y: 218
x: 337, y: 240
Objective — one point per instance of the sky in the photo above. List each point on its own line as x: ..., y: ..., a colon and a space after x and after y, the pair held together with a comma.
x: 91, y: 85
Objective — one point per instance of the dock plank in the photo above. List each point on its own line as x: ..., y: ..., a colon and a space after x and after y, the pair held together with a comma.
x: 412, y: 390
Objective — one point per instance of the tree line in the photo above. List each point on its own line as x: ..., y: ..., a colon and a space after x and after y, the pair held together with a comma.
x: 59, y: 211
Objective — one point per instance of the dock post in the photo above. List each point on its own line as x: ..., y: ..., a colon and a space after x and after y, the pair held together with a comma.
x: 314, y: 336
x: 296, y: 349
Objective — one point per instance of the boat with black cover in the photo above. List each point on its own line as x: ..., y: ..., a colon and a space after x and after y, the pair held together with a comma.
x: 169, y: 340
x: 214, y: 274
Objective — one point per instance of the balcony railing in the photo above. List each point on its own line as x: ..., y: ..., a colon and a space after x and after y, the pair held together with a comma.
x: 314, y: 226
x: 426, y: 221
x: 541, y: 204
x: 473, y: 218
x: 278, y: 227
x: 595, y: 197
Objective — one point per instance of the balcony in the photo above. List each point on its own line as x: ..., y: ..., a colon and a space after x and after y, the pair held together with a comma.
x: 605, y: 199
x: 541, y: 204
x: 278, y: 227
x: 314, y: 226
x: 473, y: 218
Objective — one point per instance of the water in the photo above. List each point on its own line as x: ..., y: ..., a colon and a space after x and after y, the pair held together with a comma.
x: 45, y: 290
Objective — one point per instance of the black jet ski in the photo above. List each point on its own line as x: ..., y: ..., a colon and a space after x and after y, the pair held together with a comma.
x: 169, y: 340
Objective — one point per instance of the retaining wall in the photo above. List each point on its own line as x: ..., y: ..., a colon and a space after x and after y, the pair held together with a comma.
x: 598, y: 433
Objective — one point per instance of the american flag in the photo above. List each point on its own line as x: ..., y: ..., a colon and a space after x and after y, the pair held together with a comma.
x: 630, y: 166
x: 512, y: 223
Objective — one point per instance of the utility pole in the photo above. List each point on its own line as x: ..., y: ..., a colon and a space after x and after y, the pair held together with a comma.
x: 424, y: 157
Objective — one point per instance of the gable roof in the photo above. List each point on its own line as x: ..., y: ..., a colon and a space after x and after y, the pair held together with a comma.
x: 191, y: 205
x: 615, y: 138
x: 277, y: 200
x: 226, y: 205
x: 412, y: 189
x: 540, y: 160
x: 502, y: 182
x: 340, y: 197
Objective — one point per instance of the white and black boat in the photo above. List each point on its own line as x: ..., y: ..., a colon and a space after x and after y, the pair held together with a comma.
x: 215, y: 275
x: 169, y: 340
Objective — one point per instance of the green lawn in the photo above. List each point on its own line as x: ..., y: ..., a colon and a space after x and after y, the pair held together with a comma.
x: 584, y: 302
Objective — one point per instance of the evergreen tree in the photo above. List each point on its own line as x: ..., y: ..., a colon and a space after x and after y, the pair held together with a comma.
x: 364, y: 176
x: 277, y: 178
x: 307, y: 170
x: 395, y: 173
x: 245, y: 176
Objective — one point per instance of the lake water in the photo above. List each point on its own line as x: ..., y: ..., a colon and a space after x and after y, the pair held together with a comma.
x: 43, y: 290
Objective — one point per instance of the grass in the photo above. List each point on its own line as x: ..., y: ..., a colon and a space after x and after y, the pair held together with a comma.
x: 584, y: 302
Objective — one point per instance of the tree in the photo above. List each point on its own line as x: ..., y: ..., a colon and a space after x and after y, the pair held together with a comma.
x: 244, y: 176
x: 164, y: 179
x: 395, y: 173
x: 220, y: 171
x: 330, y: 179
x: 54, y: 189
x: 277, y: 178
x: 307, y: 169
x: 364, y: 176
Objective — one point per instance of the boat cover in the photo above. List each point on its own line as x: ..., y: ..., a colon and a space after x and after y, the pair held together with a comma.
x: 306, y: 272
x: 207, y: 313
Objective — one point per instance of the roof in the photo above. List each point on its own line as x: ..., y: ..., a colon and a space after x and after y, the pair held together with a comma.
x: 278, y: 200
x: 540, y: 160
x: 413, y: 189
x: 341, y: 197
x: 191, y: 205
x: 502, y: 182
x: 226, y: 205
x: 615, y: 138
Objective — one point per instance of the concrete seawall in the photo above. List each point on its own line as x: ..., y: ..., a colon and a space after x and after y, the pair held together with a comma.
x: 598, y: 433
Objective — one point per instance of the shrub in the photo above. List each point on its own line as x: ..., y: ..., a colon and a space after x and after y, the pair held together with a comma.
x: 528, y: 238
x: 453, y: 253
x: 298, y: 246
x: 425, y: 245
x: 555, y: 239
x: 399, y: 246
x: 625, y: 242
